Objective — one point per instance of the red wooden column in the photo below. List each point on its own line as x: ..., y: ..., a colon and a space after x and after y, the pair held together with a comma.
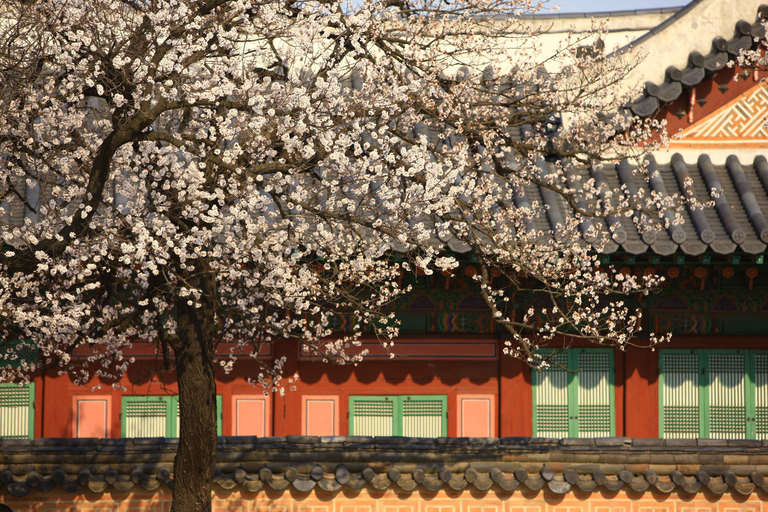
x: 55, y: 410
x: 286, y: 412
x: 619, y: 386
x: 515, y: 397
x: 641, y: 393
x: 39, y: 406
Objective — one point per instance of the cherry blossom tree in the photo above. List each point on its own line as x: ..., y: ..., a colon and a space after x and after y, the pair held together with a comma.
x: 199, y: 172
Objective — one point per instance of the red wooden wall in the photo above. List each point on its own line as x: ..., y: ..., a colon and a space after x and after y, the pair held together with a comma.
x: 505, y: 379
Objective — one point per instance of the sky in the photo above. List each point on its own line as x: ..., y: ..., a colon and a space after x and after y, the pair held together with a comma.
x: 612, y: 5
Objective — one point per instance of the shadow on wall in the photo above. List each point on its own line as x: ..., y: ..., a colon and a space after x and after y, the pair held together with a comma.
x: 448, y: 373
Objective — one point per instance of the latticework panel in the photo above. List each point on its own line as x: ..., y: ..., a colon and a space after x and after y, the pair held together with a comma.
x: 761, y: 396
x: 552, y: 398
x: 552, y: 421
x: 594, y: 374
x: 727, y: 395
x: 145, y: 419
x: 680, y: 395
x: 14, y: 411
x: 422, y: 418
x: 373, y: 418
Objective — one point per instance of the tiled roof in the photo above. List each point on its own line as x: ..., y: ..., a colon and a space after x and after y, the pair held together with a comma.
x: 333, y: 463
x: 746, y: 36
x: 736, y: 222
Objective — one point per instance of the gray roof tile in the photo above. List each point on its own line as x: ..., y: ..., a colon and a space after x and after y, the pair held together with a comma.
x: 736, y: 221
x: 746, y: 35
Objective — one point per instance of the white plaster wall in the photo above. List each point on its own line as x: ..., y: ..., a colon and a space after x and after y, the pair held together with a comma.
x: 636, y: 20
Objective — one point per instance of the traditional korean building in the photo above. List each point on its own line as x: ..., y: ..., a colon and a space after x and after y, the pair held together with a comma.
x: 451, y: 423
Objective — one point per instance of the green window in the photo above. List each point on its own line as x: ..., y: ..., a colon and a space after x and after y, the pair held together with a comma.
x: 573, y: 396
x: 155, y: 416
x: 17, y: 411
x: 409, y: 416
x: 720, y: 394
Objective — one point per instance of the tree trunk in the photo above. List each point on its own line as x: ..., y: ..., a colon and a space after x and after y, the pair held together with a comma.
x: 194, y: 356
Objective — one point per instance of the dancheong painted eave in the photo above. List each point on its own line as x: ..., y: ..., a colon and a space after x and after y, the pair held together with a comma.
x: 379, y: 463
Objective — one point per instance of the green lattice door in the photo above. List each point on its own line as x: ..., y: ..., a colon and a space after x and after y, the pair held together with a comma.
x: 551, y: 417
x: 424, y: 416
x: 720, y: 394
x: 147, y: 416
x: 17, y: 411
x: 573, y: 396
x: 726, y: 374
x: 594, y: 382
x: 372, y: 416
x: 156, y: 416
x: 679, y: 394
x: 411, y: 416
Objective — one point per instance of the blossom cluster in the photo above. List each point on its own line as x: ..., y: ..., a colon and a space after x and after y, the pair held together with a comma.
x: 274, y: 164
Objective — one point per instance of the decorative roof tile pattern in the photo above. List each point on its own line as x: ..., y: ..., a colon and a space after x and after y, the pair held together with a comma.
x: 744, y: 118
x: 332, y: 463
x: 746, y: 36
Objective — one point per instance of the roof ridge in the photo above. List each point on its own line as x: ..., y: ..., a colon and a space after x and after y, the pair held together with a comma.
x: 746, y: 36
x: 332, y: 463
x: 679, y: 13
x: 601, y: 14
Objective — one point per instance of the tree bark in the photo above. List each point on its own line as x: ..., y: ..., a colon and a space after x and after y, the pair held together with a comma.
x: 194, y: 355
